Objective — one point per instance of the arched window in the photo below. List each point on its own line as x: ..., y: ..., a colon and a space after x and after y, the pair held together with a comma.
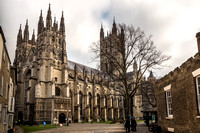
x: 57, y: 91
x: 71, y: 101
x: 60, y: 43
x: 80, y: 103
x: 90, y: 103
x: 112, y: 101
x: 117, y: 102
x: 105, y: 101
x: 27, y: 77
x: 53, y: 39
x: 28, y: 74
x: 98, y: 103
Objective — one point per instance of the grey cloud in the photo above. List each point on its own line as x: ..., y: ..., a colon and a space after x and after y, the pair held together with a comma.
x: 152, y: 17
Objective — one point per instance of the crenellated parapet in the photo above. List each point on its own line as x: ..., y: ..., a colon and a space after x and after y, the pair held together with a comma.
x: 191, y: 64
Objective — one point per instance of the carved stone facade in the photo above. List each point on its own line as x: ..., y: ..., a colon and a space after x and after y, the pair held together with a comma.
x: 51, y: 88
x: 42, y: 74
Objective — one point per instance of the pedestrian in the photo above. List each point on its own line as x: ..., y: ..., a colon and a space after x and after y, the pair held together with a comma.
x: 133, y: 124
x: 127, y: 125
x: 147, y: 121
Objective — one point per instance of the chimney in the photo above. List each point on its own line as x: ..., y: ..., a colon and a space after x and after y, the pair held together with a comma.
x: 198, y: 41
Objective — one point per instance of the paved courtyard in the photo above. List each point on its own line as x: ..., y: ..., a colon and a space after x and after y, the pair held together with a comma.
x: 94, y: 128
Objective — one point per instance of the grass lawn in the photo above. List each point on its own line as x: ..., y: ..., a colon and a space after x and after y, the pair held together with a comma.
x: 30, y: 129
x: 140, y: 121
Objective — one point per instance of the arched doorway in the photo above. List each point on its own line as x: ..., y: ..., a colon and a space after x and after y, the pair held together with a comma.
x: 62, y: 118
x: 20, y: 117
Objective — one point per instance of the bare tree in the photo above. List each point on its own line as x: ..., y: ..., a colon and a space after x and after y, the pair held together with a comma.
x: 148, y: 92
x: 126, y: 48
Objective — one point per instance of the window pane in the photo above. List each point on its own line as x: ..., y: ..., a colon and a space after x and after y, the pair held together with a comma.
x: 198, y: 80
x: 199, y: 99
x: 169, y: 102
x: 199, y: 90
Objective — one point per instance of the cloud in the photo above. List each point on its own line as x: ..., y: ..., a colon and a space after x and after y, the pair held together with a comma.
x: 173, y: 24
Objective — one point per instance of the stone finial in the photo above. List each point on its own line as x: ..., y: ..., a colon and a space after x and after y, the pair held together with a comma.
x: 198, y: 40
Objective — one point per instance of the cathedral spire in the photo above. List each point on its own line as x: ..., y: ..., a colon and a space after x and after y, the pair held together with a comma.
x: 33, y: 36
x: 114, y: 28
x: 55, y: 25
x: 26, y: 32
x: 62, y: 25
x: 40, y: 23
x: 101, y: 32
x: 49, y: 19
x: 19, y: 36
x: 122, y: 31
x: 135, y: 68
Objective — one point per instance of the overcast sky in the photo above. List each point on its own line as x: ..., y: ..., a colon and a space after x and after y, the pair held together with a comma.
x: 173, y: 24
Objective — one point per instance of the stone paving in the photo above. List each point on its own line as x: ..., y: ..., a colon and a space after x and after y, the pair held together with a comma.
x: 94, y: 128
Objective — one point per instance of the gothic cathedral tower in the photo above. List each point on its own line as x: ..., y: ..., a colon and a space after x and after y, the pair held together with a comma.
x: 111, y: 48
x: 42, y: 92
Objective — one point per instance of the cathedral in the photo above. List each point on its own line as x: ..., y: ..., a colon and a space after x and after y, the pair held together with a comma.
x: 52, y: 88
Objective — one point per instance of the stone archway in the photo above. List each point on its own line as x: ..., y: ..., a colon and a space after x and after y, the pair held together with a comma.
x: 62, y: 118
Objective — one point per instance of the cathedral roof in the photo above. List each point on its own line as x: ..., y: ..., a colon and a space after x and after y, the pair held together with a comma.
x: 80, y: 68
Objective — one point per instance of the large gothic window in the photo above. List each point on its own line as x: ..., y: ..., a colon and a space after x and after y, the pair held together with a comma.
x: 53, y: 39
x: 57, y: 91
x: 112, y: 101
x: 98, y: 103
x: 60, y: 43
x: 81, y: 103
x: 71, y: 101
x: 90, y: 103
x: 27, y: 77
x: 105, y: 101
x: 28, y: 74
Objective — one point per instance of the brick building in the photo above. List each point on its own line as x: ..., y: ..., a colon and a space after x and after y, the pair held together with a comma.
x: 178, y: 97
x: 4, y: 82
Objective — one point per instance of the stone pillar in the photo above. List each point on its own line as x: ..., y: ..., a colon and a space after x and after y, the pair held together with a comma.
x: 105, y: 114
x: 79, y: 117
x: 78, y: 98
x: 89, y: 115
x: 67, y: 91
x: 87, y: 98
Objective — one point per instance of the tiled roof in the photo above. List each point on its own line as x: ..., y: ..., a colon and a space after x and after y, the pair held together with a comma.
x: 80, y: 68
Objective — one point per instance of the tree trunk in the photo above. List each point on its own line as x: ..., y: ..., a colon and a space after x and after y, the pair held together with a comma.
x: 127, y: 108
